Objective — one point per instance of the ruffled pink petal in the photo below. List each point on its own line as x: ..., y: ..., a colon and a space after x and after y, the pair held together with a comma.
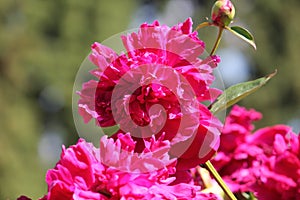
x: 266, y: 136
x: 102, y: 57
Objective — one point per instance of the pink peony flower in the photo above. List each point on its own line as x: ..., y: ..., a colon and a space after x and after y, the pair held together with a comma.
x: 114, y: 171
x: 155, y: 89
x: 231, y: 159
x: 278, y: 177
x: 266, y: 162
x: 73, y: 175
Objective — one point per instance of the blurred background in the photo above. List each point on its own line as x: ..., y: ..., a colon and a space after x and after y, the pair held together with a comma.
x: 42, y: 44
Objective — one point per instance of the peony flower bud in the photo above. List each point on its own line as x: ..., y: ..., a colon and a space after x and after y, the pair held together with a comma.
x: 222, y: 12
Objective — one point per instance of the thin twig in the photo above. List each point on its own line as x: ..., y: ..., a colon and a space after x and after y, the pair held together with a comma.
x: 202, y: 25
x: 217, y: 41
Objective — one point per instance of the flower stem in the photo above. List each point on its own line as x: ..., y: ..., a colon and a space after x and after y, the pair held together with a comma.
x: 219, y: 180
x: 217, y: 41
x: 202, y: 25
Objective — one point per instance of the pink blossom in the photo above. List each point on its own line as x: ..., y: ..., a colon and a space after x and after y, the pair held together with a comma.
x: 238, y: 124
x: 279, y: 174
x: 74, y: 173
x: 266, y: 162
x: 115, y: 171
x: 151, y: 90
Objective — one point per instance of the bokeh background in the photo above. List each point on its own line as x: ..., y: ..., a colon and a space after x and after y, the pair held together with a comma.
x: 42, y: 44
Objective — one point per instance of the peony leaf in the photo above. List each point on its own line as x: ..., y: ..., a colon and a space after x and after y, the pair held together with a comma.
x: 237, y: 92
x: 242, y: 33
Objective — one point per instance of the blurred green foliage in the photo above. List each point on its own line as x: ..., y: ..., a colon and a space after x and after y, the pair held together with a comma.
x: 276, y: 26
x: 42, y: 43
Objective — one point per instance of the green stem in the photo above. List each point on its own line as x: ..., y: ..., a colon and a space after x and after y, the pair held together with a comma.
x: 219, y: 180
x: 202, y: 25
x: 217, y: 41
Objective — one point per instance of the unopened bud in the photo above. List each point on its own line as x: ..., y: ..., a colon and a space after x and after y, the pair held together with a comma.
x: 222, y: 12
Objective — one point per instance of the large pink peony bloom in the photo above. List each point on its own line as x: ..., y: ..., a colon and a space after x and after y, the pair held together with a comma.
x: 114, y: 171
x: 156, y: 88
x: 278, y: 176
x: 266, y: 162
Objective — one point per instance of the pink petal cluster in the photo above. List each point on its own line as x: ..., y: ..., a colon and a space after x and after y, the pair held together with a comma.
x: 114, y: 171
x: 266, y: 162
x: 154, y: 89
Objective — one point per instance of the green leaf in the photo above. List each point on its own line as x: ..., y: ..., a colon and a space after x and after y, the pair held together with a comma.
x: 237, y: 92
x: 242, y: 33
